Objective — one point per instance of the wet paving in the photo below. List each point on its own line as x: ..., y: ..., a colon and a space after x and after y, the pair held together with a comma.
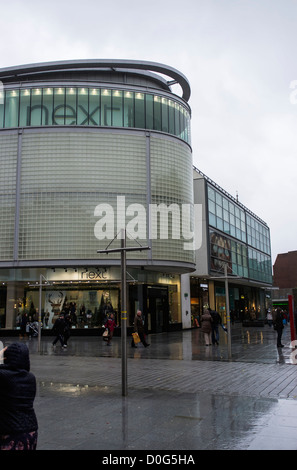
x: 250, y: 345
x: 254, y: 344
x: 182, y: 395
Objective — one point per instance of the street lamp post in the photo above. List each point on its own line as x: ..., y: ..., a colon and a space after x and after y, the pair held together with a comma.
x: 123, y: 250
x: 39, y: 307
x: 226, y: 278
x: 228, y: 312
x: 124, y: 314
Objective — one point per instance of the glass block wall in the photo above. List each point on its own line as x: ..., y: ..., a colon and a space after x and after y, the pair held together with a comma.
x: 8, y: 175
x: 171, y: 186
x: 64, y: 175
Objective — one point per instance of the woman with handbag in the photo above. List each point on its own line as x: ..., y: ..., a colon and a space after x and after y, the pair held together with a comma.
x: 110, y: 325
x: 139, y: 328
x: 206, y: 327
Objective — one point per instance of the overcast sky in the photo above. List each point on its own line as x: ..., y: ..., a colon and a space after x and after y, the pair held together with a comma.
x: 240, y: 59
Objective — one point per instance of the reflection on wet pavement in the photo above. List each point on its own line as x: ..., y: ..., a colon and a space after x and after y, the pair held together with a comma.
x: 98, y: 418
x: 247, y: 344
x: 182, y: 395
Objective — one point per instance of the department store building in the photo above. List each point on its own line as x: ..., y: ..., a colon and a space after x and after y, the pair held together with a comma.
x: 86, y: 149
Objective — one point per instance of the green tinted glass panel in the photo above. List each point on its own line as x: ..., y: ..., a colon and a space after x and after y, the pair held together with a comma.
x: 157, y: 113
x: 105, y: 108
x: 171, y: 117
x: 117, y: 108
x: 1, y: 114
x: 70, y: 107
x: 59, y: 106
x: 25, y: 100
x: 47, y: 107
x: 139, y: 110
x: 129, y: 109
x: 165, y: 122
x: 149, y: 103
x: 87, y: 106
x: 94, y: 107
x: 2, y: 97
x: 83, y: 107
x: 177, y: 123
x: 36, y: 106
x: 11, y: 108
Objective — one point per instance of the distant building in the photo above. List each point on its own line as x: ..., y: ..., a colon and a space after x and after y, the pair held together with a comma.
x: 285, y: 270
x: 284, y: 279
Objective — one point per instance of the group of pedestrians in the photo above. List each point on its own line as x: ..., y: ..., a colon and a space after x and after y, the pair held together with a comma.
x: 210, y: 322
x: 61, y: 329
x: 139, y: 328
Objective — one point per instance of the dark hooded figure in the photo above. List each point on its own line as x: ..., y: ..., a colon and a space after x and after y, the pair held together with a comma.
x: 18, y: 422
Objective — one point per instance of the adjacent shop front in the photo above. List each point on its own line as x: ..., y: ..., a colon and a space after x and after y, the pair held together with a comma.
x: 247, y: 302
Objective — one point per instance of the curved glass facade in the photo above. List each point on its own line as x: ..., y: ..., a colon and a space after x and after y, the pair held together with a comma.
x: 87, y: 149
x: 90, y: 106
x: 65, y: 173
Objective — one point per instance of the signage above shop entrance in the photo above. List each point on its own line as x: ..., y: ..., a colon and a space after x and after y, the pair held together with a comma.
x: 82, y: 274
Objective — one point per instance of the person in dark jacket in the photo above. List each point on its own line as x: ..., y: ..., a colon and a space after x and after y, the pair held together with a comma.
x: 59, y: 328
x: 278, y: 326
x: 216, y: 322
x: 18, y: 422
x: 139, y: 328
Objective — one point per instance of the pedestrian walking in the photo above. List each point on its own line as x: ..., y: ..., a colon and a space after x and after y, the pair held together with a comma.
x: 139, y: 328
x: 110, y: 324
x: 278, y: 326
x: 24, y: 322
x: 216, y: 322
x: 59, y: 329
x: 18, y: 422
x: 269, y: 318
x: 206, y: 327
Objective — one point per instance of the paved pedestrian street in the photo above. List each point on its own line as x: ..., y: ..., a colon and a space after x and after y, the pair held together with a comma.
x: 181, y: 394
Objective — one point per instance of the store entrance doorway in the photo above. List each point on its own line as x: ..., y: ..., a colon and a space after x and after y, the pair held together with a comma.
x: 157, y: 309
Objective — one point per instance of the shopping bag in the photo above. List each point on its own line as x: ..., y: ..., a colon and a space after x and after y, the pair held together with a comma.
x: 105, y: 335
x: 136, y: 338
